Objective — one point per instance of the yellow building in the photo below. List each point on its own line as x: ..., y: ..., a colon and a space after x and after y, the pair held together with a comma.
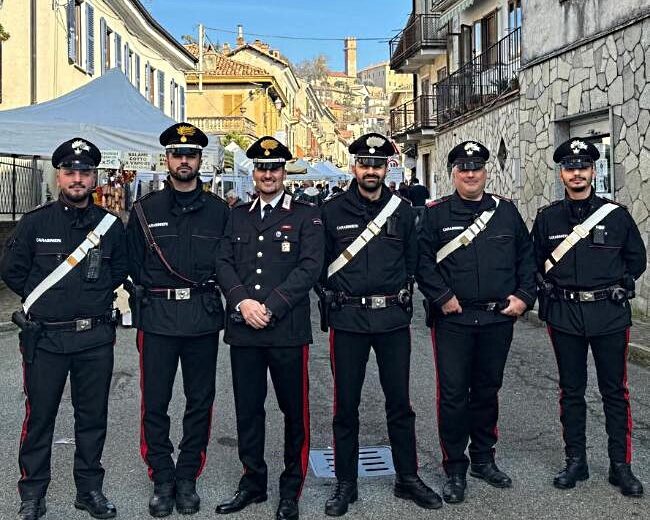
x: 381, y: 75
x: 56, y: 47
x: 233, y: 97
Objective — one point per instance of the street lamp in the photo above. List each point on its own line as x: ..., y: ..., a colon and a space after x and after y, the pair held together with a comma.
x: 278, y: 103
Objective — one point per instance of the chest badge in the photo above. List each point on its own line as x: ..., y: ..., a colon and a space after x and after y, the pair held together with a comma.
x: 286, y: 247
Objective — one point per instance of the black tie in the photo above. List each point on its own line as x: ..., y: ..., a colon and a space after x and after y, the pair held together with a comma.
x: 267, y: 211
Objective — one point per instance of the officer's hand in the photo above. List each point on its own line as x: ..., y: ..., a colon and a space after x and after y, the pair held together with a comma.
x: 254, y: 313
x: 516, y: 307
x: 452, y: 307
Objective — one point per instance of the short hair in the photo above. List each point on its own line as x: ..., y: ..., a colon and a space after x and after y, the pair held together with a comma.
x: 414, y: 180
x: 231, y: 194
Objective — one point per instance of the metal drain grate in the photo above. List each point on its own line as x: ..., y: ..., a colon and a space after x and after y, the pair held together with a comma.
x: 374, y: 461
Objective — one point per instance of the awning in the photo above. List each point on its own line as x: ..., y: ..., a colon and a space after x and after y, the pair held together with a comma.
x: 455, y: 10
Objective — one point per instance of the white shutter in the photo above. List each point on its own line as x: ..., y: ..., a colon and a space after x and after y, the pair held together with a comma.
x: 118, y: 51
x: 90, y: 39
x: 72, y: 47
x: 102, y: 44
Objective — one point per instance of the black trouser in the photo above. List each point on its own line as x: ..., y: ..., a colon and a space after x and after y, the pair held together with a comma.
x: 610, y: 354
x: 159, y: 357
x: 288, y: 367
x: 470, y: 361
x: 349, y: 353
x: 44, y: 379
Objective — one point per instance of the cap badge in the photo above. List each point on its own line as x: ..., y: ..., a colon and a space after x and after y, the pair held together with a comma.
x: 374, y: 142
x: 268, y: 145
x: 470, y: 148
x: 79, y: 146
x: 371, y: 150
x: 184, y: 131
x: 576, y: 146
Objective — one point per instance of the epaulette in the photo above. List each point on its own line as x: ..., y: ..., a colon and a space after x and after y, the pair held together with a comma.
x: 539, y: 210
x: 40, y: 206
x: 305, y: 202
x: 214, y: 195
x: 146, y: 196
x: 500, y: 197
x: 334, y: 196
x: 108, y: 210
x: 605, y: 199
x: 433, y: 203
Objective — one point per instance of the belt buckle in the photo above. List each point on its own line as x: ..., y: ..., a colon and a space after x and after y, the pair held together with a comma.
x: 83, y: 324
x: 587, y: 296
x: 377, y: 302
x: 581, y: 231
x: 182, y: 294
x: 374, y: 228
x: 465, y: 240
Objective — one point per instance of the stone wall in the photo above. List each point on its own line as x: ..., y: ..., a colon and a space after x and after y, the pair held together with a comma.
x: 608, y: 74
x: 495, y: 128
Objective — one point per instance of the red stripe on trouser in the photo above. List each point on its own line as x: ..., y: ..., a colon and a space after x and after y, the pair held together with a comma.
x: 203, y: 451
x: 549, y: 330
x: 415, y: 440
x: 304, y: 452
x: 28, y: 412
x: 626, y: 394
x: 445, y: 457
x: 333, y: 367
x: 144, y: 448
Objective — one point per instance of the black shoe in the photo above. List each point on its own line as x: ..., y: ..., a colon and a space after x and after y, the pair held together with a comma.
x: 239, y: 501
x: 411, y: 487
x: 345, y: 493
x: 620, y: 474
x: 491, y: 474
x: 31, y: 509
x: 97, y: 505
x: 287, y: 509
x: 576, y: 469
x: 162, y: 502
x: 454, y: 489
x: 188, y: 501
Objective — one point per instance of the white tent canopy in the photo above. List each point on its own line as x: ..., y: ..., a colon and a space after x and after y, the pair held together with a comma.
x: 108, y: 111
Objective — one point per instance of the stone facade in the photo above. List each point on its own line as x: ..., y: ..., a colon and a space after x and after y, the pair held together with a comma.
x: 496, y: 129
x: 608, y: 74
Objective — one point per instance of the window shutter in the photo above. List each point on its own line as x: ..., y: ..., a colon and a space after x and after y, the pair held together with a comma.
x: 72, y: 48
x: 172, y: 99
x: 182, y: 103
x: 146, y: 81
x: 90, y: 37
x: 161, y: 90
x: 127, y: 61
x: 118, y: 51
x: 137, y: 72
x: 102, y: 44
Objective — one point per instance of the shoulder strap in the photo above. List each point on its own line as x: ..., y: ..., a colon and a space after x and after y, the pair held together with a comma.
x: 151, y: 242
x: 467, y: 236
x: 579, y: 232
x: 371, y: 231
x: 92, y: 240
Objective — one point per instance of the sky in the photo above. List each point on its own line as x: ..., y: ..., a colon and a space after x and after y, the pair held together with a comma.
x: 298, y: 18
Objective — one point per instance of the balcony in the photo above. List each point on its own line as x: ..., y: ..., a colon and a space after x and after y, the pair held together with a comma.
x: 422, y: 39
x: 225, y: 124
x: 478, y: 84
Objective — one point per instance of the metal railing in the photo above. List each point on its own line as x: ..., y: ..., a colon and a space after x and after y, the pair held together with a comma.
x: 489, y: 75
x: 225, y: 124
x: 422, y: 30
x: 20, y: 185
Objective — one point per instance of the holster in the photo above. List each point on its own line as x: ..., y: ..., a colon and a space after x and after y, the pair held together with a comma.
x: 429, y: 313
x: 30, y: 332
x: 544, y: 295
x: 137, y: 298
x: 325, y: 299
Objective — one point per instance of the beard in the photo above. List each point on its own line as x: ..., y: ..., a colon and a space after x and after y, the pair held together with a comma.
x: 371, y: 183
x: 188, y: 174
x: 76, y: 197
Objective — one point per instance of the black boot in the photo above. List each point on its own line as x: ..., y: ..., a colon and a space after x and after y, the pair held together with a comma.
x: 241, y: 499
x: 576, y: 469
x: 620, y: 474
x: 491, y: 474
x: 345, y: 493
x: 188, y: 501
x: 411, y: 487
x: 162, y: 502
x: 454, y: 489
x: 31, y: 509
x: 97, y: 505
x: 287, y: 509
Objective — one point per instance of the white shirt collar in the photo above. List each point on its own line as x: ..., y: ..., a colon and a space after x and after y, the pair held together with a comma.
x: 273, y: 203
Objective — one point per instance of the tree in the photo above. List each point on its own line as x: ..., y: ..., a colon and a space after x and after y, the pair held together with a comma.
x: 188, y: 39
x: 313, y: 69
x: 4, y: 35
x: 233, y: 137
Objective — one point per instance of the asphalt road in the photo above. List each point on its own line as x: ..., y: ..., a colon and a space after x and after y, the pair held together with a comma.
x: 529, y: 449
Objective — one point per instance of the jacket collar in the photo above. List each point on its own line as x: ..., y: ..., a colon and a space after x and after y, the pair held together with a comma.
x: 461, y: 209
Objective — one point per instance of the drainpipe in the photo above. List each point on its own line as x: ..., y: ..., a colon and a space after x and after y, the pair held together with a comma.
x: 32, y: 51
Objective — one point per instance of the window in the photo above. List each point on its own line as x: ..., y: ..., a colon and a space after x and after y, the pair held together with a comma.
x: 118, y: 51
x: 172, y: 99
x: 105, y: 35
x: 137, y: 72
x: 77, y: 33
x: 151, y: 76
x: 465, y: 47
x: 182, y: 103
x: 514, y: 15
x: 231, y: 104
x: 81, y: 34
x: 161, y: 90
x: 490, y: 36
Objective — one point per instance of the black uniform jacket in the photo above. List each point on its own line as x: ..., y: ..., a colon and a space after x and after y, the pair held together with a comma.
x: 42, y: 240
x: 382, y: 267
x: 588, y: 266
x: 188, y: 231
x: 497, y: 263
x: 275, y: 262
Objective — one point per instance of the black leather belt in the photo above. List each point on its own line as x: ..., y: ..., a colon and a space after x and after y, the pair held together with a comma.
x: 181, y: 293
x: 82, y: 324
x: 371, y: 302
x: 585, y: 296
x: 487, y: 306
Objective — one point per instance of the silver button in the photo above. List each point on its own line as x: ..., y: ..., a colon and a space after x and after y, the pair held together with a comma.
x: 258, y: 271
x: 258, y: 287
x: 260, y: 238
x: 259, y: 254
